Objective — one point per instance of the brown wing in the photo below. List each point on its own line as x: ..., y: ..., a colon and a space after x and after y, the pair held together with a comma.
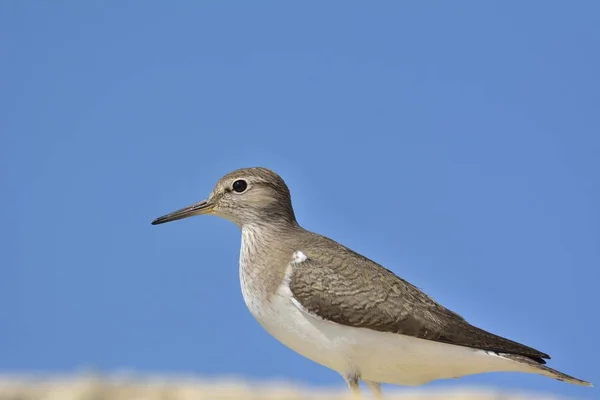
x: 342, y: 286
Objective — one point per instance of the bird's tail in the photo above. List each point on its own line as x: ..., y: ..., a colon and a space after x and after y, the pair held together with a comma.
x: 537, y: 368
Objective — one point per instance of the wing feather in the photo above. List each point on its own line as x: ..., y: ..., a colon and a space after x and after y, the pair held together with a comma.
x: 342, y: 286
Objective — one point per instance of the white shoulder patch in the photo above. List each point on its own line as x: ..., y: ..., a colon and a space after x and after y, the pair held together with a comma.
x: 298, y: 257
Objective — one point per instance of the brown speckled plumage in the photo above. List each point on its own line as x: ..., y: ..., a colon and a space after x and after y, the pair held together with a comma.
x: 340, y: 285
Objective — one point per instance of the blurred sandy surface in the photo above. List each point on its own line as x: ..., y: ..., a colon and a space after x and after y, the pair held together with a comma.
x: 137, y: 387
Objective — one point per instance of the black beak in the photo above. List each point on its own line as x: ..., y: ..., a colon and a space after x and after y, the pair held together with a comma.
x: 202, y: 207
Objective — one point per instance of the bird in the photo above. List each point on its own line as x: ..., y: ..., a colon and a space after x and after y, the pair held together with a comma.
x: 340, y: 308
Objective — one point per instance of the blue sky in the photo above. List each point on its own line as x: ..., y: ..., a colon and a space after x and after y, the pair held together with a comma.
x: 455, y: 143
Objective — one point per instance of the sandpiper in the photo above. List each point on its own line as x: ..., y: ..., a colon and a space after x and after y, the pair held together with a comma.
x: 342, y: 310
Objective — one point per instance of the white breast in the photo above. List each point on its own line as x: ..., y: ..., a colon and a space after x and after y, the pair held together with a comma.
x: 281, y: 317
x: 375, y: 356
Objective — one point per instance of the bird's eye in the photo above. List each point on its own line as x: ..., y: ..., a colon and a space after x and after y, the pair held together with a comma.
x: 240, y: 186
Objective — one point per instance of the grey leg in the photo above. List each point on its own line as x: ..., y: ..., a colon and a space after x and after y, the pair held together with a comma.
x: 352, y: 381
x: 375, y: 388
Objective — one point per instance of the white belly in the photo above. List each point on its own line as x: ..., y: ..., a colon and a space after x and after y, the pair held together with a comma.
x: 372, y: 355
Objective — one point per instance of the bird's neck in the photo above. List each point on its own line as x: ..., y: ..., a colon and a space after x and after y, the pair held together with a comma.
x: 260, y: 239
x: 265, y: 253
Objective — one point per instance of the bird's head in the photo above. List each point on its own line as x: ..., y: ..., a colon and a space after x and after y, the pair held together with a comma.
x: 244, y: 196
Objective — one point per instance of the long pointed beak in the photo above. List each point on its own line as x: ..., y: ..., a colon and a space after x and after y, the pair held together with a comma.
x: 202, y: 207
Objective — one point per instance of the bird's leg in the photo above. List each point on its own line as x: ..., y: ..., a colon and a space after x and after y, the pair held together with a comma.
x: 375, y: 388
x: 352, y: 381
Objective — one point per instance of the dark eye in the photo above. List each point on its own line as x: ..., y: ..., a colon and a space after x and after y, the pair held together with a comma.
x: 239, y: 186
